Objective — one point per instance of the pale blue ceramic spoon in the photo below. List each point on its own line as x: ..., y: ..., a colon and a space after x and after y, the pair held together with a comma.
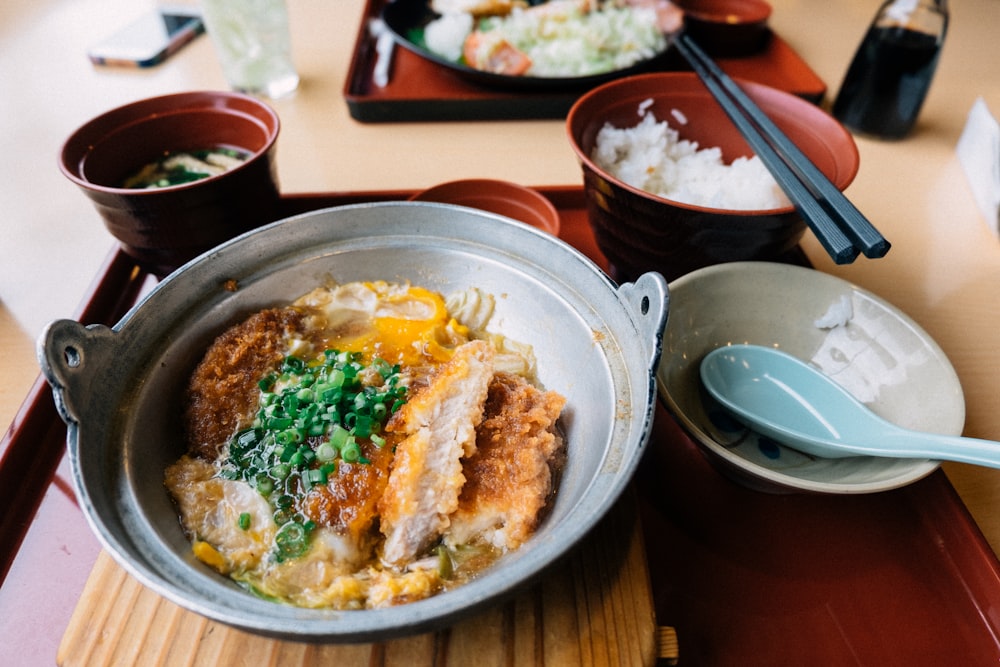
x: 797, y: 405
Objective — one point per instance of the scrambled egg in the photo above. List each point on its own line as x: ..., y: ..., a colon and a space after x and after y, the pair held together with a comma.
x: 399, y: 323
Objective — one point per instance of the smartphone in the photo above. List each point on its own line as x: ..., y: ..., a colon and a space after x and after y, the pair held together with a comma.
x: 148, y: 40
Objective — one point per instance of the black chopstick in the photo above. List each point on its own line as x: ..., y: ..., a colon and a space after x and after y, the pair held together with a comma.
x: 831, y: 216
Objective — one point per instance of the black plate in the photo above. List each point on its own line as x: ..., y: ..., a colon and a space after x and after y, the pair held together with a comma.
x: 407, y: 19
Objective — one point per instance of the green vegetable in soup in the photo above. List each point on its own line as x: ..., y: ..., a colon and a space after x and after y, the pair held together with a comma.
x: 185, y: 167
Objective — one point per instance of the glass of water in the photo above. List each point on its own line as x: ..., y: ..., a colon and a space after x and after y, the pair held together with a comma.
x: 253, y: 43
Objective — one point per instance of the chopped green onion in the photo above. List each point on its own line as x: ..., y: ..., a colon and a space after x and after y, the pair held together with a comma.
x: 278, y: 423
x: 265, y: 485
x: 291, y: 541
x: 316, y: 476
x: 283, y: 516
x: 339, y: 436
x: 326, y: 452
x: 248, y: 437
x: 446, y: 566
x: 351, y: 452
x: 292, y: 364
x: 363, y: 426
x: 310, y: 413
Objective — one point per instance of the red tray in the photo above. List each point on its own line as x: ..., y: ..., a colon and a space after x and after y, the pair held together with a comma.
x: 420, y: 90
x: 903, y: 577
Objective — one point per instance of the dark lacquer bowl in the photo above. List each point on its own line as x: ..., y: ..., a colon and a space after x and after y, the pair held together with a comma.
x: 163, y: 228
x: 638, y: 231
x: 728, y: 28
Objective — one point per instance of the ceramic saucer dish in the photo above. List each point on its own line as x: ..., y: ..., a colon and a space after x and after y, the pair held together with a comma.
x: 875, y: 351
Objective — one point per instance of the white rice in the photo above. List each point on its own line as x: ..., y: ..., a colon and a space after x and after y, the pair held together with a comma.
x: 652, y: 157
x: 446, y: 35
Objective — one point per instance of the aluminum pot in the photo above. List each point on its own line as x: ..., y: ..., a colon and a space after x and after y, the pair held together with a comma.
x: 119, y: 389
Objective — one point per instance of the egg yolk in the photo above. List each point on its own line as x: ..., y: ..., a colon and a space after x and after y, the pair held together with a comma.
x: 409, y: 328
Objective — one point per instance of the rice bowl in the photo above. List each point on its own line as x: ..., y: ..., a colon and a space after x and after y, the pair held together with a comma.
x: 638, y: 231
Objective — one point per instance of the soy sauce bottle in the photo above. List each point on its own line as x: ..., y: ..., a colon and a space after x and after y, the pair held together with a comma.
x: 888, y: 79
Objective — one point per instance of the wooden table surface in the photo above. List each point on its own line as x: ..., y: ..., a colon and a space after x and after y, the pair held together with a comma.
x: 943, y: 269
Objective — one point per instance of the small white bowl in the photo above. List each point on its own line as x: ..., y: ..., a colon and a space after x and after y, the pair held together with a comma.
x: 879, y: 354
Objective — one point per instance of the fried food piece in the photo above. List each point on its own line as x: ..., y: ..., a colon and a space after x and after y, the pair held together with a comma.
x: 500, y: 57
x: 349, y: 502
x: 426, y: 477
x: 510, y: 476
x: 222, y: 393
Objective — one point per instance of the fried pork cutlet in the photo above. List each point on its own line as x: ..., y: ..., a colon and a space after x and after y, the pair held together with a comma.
x: 349, y: 502
x: 222, y: 392
x: 509, y: 477
x: 426, y: 476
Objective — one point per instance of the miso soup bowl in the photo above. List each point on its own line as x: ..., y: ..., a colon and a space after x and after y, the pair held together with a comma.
x: 162, y: 228
x: 119, y: 389
x: 727, y: 28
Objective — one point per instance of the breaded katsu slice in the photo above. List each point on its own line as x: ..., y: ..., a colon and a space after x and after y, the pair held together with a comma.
x: 440, y: 423
x: 509, y: 478
x: 222, y: 393
x: 348, y: 503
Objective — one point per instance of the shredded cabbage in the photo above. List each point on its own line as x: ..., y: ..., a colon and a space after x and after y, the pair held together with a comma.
x: 563, y: 40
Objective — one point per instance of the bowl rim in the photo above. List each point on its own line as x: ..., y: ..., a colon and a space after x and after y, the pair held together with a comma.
x: 775, y: 480
x: 508, y: 190
x: 80, y: 142
x: 572, y: 119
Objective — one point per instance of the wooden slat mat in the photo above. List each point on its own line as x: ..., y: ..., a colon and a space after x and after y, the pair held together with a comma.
x: 595, y: 609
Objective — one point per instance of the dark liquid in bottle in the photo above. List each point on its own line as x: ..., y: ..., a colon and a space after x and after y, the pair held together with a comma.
x: 887, y: 82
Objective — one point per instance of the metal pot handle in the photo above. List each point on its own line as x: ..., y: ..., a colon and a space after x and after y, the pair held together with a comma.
x: 69, y: 354
x: 649, y: 300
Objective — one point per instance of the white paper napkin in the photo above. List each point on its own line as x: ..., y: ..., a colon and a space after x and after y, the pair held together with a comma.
x: 978, y: 152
